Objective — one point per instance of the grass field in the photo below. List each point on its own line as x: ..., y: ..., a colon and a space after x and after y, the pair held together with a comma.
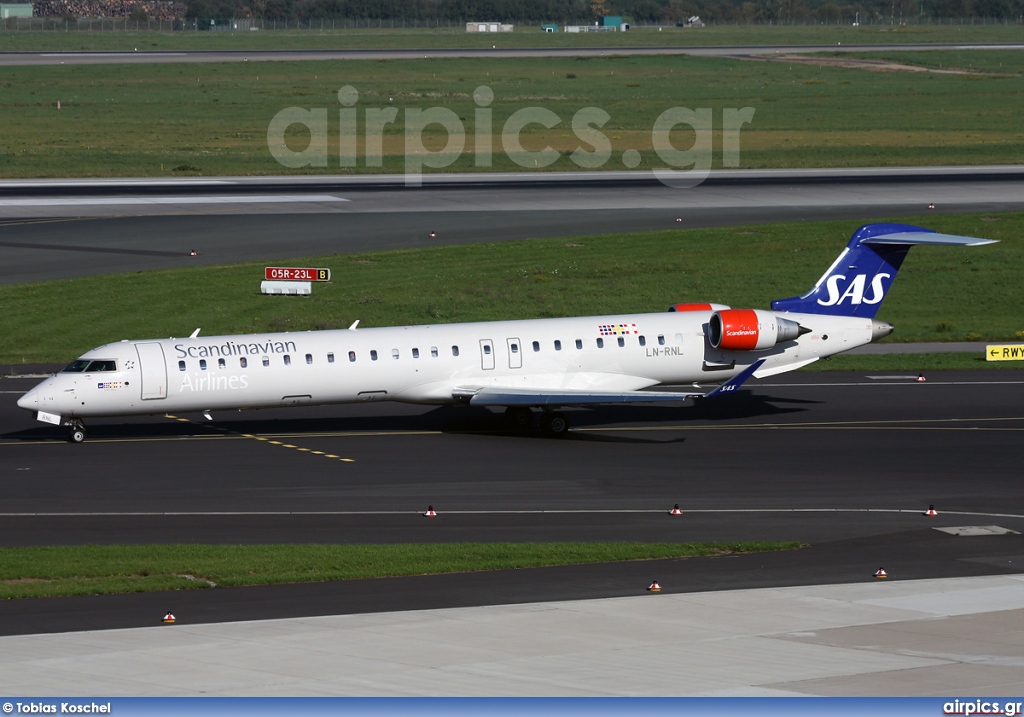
x: 104, y: 569
x: 949, y: 294
x: 163, y: 120
x: 525, y: 36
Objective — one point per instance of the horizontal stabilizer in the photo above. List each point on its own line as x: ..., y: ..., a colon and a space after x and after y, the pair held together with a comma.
x: 927, y: 238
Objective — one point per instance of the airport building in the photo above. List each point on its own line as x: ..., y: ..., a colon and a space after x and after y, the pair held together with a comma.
x: 15, y: 10
x: 487, y: 27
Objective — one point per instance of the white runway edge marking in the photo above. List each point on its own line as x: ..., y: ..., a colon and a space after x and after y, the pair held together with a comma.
x: 216, y: 513
x: 111, y: 54
x: 131, y: 201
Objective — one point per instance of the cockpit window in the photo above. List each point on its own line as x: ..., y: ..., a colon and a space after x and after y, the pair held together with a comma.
x: 83, y: 365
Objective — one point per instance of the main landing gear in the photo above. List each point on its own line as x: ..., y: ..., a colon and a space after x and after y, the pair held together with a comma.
x: 77, y: 432
x: 552, y: 423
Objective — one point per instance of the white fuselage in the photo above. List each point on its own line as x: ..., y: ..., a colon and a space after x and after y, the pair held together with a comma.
x: 421, y: 364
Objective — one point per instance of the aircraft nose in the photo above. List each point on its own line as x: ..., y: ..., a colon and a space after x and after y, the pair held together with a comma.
x: 30, y: 401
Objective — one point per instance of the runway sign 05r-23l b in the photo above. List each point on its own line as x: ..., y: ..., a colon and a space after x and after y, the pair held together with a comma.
x: 282, y: 273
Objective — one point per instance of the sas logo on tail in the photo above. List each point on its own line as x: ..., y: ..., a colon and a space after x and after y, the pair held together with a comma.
x: 855, y: 291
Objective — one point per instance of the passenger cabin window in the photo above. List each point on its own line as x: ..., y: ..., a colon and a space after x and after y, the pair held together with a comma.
x: 266, y: 361
x: 600, y: 343
x: 415, y: 353
x: 661, y: 340
x: 330, y: 357
x: 487, y: 349
x: 558, y: 345
x: 455, y: 350
x: 515, y: 348
x: 433, y: 351
x: 78, y: 366
x: 622, y: 341
x: 309, y: 358
x: 643, y: 340
x: 202, y: 364
x: 287, y: 360
x: 536, y: 345
x: 394, y: 353
x: 181, y: 365
x: 579, y: 343
x: 221, y: 363
x: 352, y: 356
x: 243, y: 362
x: 373, y: 355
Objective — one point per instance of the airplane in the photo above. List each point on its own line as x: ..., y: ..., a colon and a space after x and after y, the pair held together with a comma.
x: 518, y: 365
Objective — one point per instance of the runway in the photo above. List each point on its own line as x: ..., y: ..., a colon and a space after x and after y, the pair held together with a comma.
x: 163, y: 57
x: 57, y: 229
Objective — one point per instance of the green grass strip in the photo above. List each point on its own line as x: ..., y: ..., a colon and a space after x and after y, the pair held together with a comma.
x: 105, y: 569
x: 941, y: 294
x: 160, y: 120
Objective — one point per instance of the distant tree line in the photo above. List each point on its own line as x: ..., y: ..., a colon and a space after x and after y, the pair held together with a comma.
x: 639, y: 11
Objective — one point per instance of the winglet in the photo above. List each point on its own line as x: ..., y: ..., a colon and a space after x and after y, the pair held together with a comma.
x: 736, y: 381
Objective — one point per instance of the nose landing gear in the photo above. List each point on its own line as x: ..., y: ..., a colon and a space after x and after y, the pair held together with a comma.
x: 77, y: 432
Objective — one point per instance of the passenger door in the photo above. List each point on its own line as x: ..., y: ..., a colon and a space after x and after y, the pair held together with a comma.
x: 153, y: 368
x: 515, y: 353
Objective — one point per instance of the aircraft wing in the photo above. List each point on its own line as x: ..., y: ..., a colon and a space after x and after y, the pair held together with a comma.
x: 494, y: 396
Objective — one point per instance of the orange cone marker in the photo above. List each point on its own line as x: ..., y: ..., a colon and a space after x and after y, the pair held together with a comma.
x: 654, y: 588
x: 430, y: 512
x: 169, y: 618
x: 675, y: 510
x: 931, y: 512
x: 920, y: 378
x: 881, y: 574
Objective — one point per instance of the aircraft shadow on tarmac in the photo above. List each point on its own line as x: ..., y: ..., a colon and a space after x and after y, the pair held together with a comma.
x: 741, y: 405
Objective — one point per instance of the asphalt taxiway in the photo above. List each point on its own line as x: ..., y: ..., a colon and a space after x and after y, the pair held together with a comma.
x: 846, y: 463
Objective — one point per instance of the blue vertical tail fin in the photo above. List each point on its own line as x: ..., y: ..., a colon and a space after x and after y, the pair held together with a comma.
x: 860, y: 277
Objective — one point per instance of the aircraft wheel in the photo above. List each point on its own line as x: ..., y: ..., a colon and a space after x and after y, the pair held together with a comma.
x: 77, y: 435
x: 519, y: 418
x: 555, y: 424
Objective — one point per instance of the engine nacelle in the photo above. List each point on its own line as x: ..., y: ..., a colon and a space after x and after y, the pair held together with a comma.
x: 750, y: 329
